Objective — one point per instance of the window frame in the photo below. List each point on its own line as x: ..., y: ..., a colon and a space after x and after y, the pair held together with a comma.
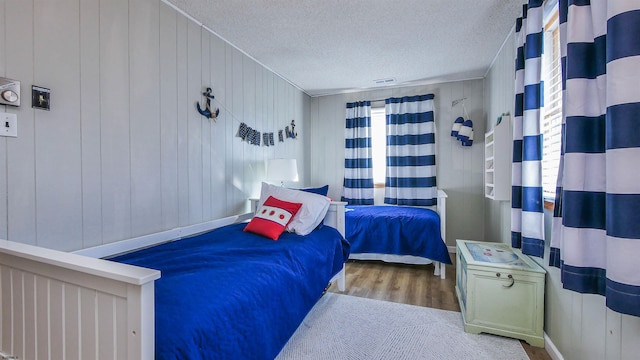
x: 551, y: 116
x: 378, y: 110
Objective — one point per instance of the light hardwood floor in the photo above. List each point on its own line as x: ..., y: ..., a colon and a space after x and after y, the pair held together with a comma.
x: 410, y: 284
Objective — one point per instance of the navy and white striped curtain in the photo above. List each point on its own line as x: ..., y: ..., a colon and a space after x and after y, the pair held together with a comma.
x: 527, y: 217
x: 411, y: 151
x: 596, y: 231
x: 358, y: 170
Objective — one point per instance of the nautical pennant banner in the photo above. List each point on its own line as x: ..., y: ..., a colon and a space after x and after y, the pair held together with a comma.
x: 254, y: 137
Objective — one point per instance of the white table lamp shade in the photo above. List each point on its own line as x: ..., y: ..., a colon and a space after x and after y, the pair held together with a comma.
x: 282, y: 170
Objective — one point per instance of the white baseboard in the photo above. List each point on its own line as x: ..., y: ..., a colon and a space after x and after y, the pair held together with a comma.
x: 452, y: 249
x: 551, y: 348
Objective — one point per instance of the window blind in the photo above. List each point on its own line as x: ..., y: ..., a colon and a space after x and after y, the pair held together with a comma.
x: 552, y: 111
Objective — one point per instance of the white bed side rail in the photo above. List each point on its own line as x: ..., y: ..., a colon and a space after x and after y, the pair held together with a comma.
x: 57, y: 305
x: 119, y: 247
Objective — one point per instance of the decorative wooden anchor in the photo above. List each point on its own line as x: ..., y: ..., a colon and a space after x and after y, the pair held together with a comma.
x: 207, y: 110
x: 291, y: 134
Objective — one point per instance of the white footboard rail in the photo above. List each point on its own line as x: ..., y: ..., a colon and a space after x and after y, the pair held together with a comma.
x: 57, y: 305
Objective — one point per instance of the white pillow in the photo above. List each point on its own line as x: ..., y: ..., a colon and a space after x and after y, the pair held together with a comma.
x: 313, y: 210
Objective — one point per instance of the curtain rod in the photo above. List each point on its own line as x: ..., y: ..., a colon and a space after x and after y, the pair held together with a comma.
x: 453, y: 103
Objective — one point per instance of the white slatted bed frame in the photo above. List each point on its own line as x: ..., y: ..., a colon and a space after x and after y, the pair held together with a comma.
x: 58, y: 305
x: 441, y: 209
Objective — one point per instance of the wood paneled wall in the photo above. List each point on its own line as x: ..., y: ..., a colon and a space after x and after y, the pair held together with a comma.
x: 459, y: 169
x: 500, y: 89
x: 580, y: 326
x: 123, y: 151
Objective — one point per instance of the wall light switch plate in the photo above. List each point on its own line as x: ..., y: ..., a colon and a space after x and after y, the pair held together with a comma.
x: 8, y: 125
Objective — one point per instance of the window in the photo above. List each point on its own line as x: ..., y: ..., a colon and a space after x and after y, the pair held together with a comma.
x: 379, y: 145
x: 551, y: 115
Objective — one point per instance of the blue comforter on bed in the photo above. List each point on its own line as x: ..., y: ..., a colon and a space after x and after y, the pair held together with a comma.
x: 396, y: 230
x: 227, y: 294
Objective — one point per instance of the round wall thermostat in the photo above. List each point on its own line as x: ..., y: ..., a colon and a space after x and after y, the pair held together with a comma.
x: 10, y: 96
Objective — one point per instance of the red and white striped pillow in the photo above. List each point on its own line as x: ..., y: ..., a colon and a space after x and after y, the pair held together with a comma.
x: 273, y: 217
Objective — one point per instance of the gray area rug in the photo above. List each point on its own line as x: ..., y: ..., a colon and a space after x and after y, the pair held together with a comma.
x: 353, y: 328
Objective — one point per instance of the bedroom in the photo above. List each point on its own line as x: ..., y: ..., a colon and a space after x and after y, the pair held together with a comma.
x: 139, y: 171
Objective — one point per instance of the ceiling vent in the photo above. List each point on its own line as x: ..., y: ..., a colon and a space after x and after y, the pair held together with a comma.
x: 388, y: 81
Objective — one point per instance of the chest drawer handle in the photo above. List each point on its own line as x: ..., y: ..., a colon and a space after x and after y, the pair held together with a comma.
x: 512, y: 281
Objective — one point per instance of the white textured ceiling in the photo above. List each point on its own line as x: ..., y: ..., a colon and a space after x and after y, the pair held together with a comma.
x: 331, y: 46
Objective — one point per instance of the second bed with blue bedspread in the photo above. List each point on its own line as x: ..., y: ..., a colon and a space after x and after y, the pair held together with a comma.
x: 395, y: 230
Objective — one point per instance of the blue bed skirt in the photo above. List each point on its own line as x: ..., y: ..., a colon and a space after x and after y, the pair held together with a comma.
x: 227, y: 294
x: 395, y: 230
